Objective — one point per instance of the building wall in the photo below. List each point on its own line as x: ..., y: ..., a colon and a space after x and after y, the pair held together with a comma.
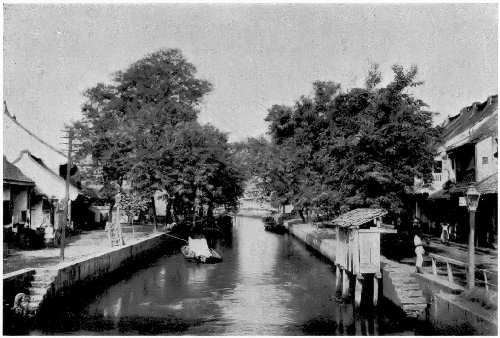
x: 20, y: 203
x: 6, y: 192
x: 38, y: 217
x: 485, y: 161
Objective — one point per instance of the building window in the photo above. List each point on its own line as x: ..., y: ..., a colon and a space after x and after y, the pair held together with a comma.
x: 438, y: 166
x: 485, y: 160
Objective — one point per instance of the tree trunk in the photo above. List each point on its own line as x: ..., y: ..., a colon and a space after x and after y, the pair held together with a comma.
x: 301, y: 214
x: 168, y: 212
x: 210, y: 212
x: 154, y: 213
x: 110, y: 212
x: 174, y: 212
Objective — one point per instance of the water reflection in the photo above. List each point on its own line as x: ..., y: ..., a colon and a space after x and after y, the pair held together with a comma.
x: 267, y: 284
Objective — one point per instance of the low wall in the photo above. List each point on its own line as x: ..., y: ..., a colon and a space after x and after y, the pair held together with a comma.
x: 451, y: 315
x: 88, y: 269
x: 95, y: 267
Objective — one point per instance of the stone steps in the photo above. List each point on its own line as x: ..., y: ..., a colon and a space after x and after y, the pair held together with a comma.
x: 406, y: 289
x: 40, y: 285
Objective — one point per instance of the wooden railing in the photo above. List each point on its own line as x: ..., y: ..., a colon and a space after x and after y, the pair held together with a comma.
x: 486, y: 280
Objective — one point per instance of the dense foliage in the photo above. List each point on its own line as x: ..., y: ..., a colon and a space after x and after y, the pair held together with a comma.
x: 141, y: 134
x: 337, y: 150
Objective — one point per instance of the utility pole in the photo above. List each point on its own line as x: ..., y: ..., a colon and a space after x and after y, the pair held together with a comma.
x: 66, y: 195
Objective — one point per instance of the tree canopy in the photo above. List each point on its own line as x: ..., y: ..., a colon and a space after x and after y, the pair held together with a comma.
x: 337, y: 150
x: 142, y: 129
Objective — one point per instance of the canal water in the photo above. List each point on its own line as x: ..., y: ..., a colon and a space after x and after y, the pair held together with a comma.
x: 267, y: 284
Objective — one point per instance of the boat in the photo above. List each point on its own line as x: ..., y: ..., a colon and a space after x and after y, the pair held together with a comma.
x: 271, y: 225
x: 277, y: 229
x: 198, y: 251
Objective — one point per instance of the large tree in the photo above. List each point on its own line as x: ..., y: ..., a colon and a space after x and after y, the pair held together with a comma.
x: 142, y: 129
x: 359, y: 148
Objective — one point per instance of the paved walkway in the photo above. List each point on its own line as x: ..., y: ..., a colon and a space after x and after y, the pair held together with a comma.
x: 79, y: 246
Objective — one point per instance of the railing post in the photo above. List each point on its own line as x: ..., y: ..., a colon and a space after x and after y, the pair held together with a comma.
x: 450, y: 272
x: 486, y: 281
x: 338, y: 278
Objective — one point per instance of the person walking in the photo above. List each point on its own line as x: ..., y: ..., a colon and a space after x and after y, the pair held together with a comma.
x: 445, y: 233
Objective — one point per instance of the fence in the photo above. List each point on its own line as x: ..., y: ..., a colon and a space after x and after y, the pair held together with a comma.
x: 456, y: 272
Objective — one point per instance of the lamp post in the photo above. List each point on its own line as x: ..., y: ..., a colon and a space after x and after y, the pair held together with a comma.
x: 472, y: 196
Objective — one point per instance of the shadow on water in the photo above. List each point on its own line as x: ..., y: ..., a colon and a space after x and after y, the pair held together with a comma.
x: 267, y: 284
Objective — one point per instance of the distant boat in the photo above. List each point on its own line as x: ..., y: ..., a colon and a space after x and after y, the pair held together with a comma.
x: 198, y: 251
x: 272, y: 226
x: 278, y: 229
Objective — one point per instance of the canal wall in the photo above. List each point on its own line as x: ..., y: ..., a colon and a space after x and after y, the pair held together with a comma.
x: 416, y: 295
x: 45, y: 284
x: 455, y: 316
x: 398, y: 283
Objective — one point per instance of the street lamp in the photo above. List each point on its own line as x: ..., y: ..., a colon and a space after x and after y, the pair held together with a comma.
x: 472, y: 202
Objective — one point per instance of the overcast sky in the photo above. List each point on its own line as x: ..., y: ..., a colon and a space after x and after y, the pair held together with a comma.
x: 255, y: 55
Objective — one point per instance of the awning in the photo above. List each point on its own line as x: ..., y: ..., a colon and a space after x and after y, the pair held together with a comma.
x: 489, y: 185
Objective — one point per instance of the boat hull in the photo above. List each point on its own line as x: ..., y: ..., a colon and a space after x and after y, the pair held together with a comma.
x: 277, y: 229
x: 215, y: 257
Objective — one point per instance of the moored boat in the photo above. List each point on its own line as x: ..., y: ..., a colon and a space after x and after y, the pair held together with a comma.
x: 278, y: 229
x: 198, y: 251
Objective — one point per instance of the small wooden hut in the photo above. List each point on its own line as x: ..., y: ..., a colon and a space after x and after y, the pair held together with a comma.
x: 358, y: 249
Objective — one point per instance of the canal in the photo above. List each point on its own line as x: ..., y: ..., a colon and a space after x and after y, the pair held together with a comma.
x: 267, y: 284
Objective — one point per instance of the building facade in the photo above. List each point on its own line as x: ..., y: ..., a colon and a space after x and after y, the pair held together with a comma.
x: 467, y: 155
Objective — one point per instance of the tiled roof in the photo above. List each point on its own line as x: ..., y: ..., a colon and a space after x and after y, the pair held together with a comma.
x: 489, y: 185
x: 489, y: 128
x: 13, y: 175
x: 358, y: 217
x: 470, y: 116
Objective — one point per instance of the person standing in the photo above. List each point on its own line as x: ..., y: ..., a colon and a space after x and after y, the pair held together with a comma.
x: 419, y: 247
x: 445, y: 234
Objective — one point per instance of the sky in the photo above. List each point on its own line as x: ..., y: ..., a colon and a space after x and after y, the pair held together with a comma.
x: 255, y: 55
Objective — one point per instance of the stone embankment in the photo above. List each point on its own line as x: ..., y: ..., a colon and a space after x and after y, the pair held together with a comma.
x: 43, y: 284
x: 399, y: 283
x: 419, y: 296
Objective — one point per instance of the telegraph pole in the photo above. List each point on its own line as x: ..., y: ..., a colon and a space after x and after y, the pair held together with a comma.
x: 66, y: 195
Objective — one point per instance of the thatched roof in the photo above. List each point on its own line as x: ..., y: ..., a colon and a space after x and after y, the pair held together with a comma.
x: 357, y: 217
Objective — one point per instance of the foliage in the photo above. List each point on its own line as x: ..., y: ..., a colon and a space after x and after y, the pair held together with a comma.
x: 142, y: 130
x: 132, y: 203
x: 339, y: 150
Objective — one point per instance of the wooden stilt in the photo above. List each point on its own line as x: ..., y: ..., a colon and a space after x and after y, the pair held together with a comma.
x: 338, y: 280
x: 375, y: 289
x: 345, y: 284
x: 358, y: 291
